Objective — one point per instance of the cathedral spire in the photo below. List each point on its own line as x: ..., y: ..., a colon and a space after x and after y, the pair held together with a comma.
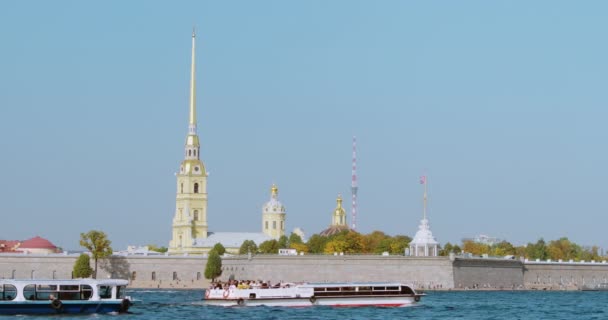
x: 192, y: 123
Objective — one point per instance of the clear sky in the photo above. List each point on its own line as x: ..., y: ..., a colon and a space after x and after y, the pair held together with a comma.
x: 501, y: 103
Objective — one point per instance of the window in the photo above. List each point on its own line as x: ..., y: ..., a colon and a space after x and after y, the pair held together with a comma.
x: 13, y: 274
x: 33, y: 273
x: 198, y: 276
x: 153, y: 275
x: 196, y: 188
x: 133, y: 275
x: 189, y: 153
x: 282, y: 225
x: 174, y: 275
x: 8, y: 292
x: 195, y: 215
x: 274, y: 225
x: 265, y: 227
x: 181, y: 188
x: 195, y: 154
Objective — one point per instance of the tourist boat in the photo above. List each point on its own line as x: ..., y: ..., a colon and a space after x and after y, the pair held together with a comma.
x: 317, y: 294
x: 63, y: 296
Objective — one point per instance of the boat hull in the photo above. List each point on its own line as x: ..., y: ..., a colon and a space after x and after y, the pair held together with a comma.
x: 67, y: 307
x: 309, y: 302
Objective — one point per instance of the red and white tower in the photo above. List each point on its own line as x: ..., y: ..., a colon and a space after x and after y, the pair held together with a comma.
x: 353, y: 186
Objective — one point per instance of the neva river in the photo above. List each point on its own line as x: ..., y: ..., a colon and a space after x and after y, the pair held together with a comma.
x: 182, y: 305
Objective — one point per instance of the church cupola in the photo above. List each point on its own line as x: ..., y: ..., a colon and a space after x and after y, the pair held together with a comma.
x: 273, y: 215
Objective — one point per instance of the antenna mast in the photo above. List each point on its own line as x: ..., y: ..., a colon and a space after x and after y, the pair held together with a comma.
x: 353, y: 186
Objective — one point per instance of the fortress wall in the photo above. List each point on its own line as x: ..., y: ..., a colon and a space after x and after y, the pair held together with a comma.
x: 189, y: 269
x: 423, y: 272
x: 488, y: 273
x: 564, y: 275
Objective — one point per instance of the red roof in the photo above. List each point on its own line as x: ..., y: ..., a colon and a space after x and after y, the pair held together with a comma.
x: 8, y: 245
x: 37, y: 243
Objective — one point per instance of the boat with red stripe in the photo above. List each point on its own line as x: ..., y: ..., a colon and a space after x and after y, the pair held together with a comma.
x: 363, y: 294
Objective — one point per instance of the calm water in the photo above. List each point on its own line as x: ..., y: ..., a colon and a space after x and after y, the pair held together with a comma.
x: 181, y: 305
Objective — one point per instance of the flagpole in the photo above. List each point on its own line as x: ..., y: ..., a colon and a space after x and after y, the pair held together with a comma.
x: 425, y: 182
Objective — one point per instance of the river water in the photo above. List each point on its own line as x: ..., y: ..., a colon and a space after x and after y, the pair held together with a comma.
x: 182, y: 305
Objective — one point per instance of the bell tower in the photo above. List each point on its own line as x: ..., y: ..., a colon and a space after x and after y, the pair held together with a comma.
x: 190, y: 219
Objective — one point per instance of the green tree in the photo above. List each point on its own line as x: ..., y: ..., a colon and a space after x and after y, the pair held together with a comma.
x: 316, y: 243
x: 537, y: 250
x: 372, y: 242
x: 213, y: 269
x: 269, y: 246
x: 283, y: 242
x: 399, y: 243
x: 82, y: 267
x: 503, y: 248
x: 153, y: 247
x: 98, y: 244
x: 446, y: 249
x: 219, y: 248
x: 294, y: 238
x: 248, y: 246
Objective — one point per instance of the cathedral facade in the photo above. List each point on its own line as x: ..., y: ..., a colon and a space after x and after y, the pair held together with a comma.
x: 190, y: 232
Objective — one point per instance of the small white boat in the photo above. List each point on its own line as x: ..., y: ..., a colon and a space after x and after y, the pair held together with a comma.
x: 63, y: 296
x: 317, y: 294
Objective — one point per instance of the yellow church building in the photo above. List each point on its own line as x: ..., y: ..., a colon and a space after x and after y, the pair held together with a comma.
x: 190, y: 234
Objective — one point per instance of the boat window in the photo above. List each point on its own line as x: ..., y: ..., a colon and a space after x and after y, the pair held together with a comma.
x: 333, y: 289
x: 365, y: 288
x: 46, y: 288
x: 392, y: 288
x: 86, y: 292
x: 406, y: 290
x: 69, y: 288
x: 8, y: 292
x: 348, y: 289
x: 105, y: 292
x: 120, y: 292
x: 379, y: 288
x: 29, y: 292
x: 319, y: 289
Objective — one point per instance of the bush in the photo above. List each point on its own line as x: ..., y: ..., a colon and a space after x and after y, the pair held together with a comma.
x: 82, y: 267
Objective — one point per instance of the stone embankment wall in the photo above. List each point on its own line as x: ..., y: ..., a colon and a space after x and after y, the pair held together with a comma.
x: 423, y: 272
x: 564, y: 275
x: 488, y: 273
x: 182, y: 272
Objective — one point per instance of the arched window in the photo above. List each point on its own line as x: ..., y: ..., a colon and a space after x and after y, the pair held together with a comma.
x: 198, y: 276
x: 274, y: 225
x: 181, y: 188
x: 174, y: 275
x: 195, y: 152
x: 195, y: 215
x: 13, y: 274
x: 133, y: 275
x: 266, y: 227
x: 33, y: 273
x: 189, y: 153
x: 196, y: 188
x: 153, y: 275
x: 54, y: 274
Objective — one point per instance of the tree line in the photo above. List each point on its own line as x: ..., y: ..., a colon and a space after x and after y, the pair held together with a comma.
x: 560, y: 249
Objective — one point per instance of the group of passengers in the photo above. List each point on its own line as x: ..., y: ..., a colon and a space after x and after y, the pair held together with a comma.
x: 246, y: 284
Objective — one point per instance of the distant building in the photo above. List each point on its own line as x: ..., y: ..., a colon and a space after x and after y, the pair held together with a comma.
x: 34, y: 245
x: 338, y: 220
x: 483, y: 239
x: 424, y: 244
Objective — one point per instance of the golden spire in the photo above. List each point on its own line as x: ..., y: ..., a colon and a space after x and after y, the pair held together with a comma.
x: 192, y: 123
x: 339, y: 201
x: 274, y: 191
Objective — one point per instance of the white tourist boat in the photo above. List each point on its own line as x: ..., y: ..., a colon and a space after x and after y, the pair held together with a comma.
x: 63, y: 296
x: 317, y: 294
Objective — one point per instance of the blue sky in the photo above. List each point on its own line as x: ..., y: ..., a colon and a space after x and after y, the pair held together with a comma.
x: 502, y: 104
